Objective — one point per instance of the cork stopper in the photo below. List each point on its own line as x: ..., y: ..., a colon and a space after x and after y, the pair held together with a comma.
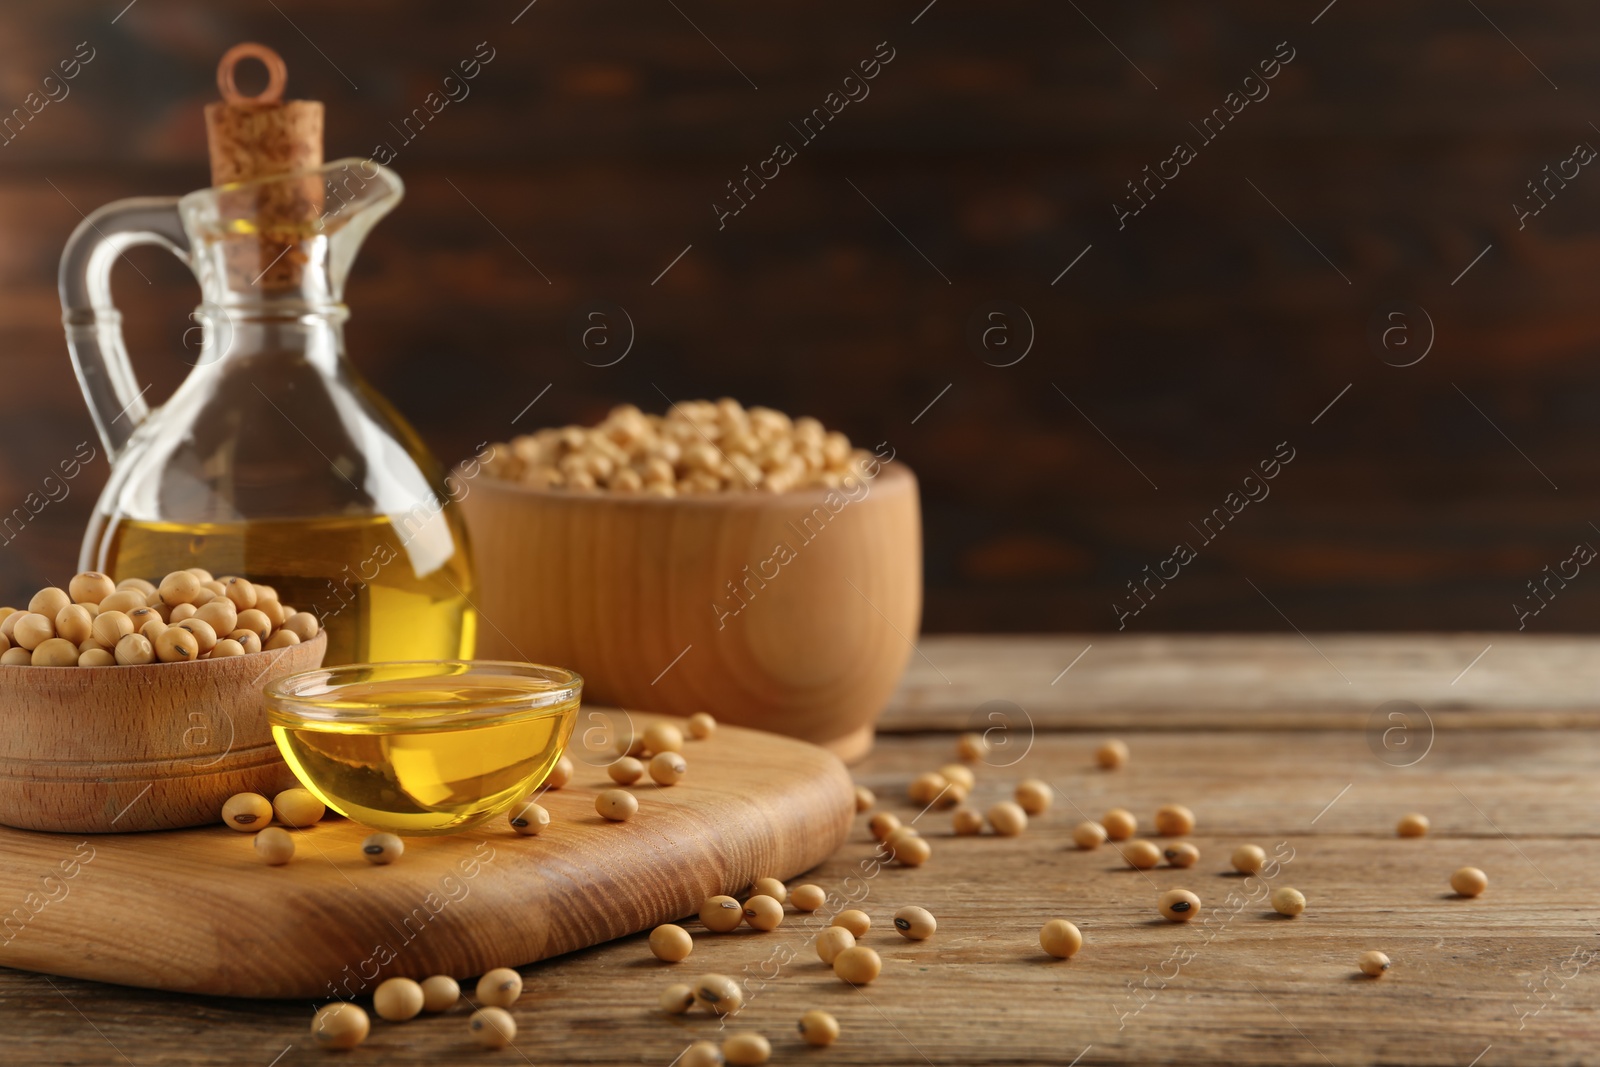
x: 258, y: 137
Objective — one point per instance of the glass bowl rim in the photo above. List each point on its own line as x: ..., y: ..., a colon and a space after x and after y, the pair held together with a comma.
x: 283, y: 698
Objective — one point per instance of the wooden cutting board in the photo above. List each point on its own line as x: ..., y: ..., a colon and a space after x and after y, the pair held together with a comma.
x: 195, y: 911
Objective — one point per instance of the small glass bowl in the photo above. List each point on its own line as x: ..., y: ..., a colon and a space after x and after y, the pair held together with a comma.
x: 421, y: 748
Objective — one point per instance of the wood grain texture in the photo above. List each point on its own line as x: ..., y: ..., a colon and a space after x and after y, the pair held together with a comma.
x: 786, y: 612
x: 1506, y: 978
x: 332, y: 924
x: 1242, y: 681
x: 154, y: 747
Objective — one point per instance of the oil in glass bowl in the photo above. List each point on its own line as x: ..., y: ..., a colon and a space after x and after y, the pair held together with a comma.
x: 423, y: 748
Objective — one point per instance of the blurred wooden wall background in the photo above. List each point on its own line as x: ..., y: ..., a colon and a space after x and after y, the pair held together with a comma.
x: 1218, y: 323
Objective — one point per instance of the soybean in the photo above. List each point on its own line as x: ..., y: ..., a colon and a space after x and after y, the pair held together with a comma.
x: 302, y: 624
x: 242, y: 593
x: 771, y: 887
x: 808, y: 897
x: 528, y: 818
x: 1178, y: 905
x: 56, y: 652
x: 220, y: 615
x: 340, y: 1025
x: 298, y: 808
x: 398, y: 999
x: 256, y: 622
x: 176, y: 646
x: 1249, y: 859
x: 1374, y: 963
x: 247, y: 811
x: 972, y: 747
x: 915, y: 924
x: 616, y: 805
x: 927, y: 788
x: 677, y: 998
x: 1033, y: 796
x: 763, y: 913
x: 286, y: 639
x: 667, y: 768
x: 1060, y: 939
x: 74, y: 623
x: 1008, y: 819
x: 560, y: 774
x: 900, y: 833
x: 702, y: 725
x: 1112, y: 755
x: 32, y: 630
x: 1174, y: 820
x: 1089, y: 835
x: 700, y: 1054
x: 865, y: 799
x: 671, y: 943
x: 382, y: 849
x: 912, y: 850
x: 1120, y: 824
x: 148, y: 621
x: 274, y: 846
x: 1288, y: 901
x: 123, y: 600
x: 202, y: 632
x: 832, y: 941
x: 721, y: 914
x: 440, y: 993
x: 746, y: 1050
x: 179, y: 587
x: 882, y: 824
x: 960, y: 774
x: 109, y: 627
x: 1141, y: 855
x: 90, y: 587
x: 492, y: 1027
x: 1413, y: 824
x: 819, y: 1028
x: 663, y: 737
x: 500, y: 987
x: 249, y: 640
x: 718, y: 994
x: 1469, y: 881
x: 857, y: 922
x: 967, y: 821
x: 1182, y: 854
x: 49, y: 601
x: 858, y: 965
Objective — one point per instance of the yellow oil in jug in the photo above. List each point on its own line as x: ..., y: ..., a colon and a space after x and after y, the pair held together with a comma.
x: 358, y: 574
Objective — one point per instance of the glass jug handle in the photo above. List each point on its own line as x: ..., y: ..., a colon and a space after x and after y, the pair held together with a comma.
x: 92, y: 322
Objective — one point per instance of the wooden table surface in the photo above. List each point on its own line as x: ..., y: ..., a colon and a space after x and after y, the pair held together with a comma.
x: 1282, y: 741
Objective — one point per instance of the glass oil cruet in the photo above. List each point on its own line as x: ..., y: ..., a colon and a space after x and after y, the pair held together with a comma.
x: 274, y: 459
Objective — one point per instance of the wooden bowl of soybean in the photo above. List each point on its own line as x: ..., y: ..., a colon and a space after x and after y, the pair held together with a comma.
x: 791, y: 612
x: 93, y: 750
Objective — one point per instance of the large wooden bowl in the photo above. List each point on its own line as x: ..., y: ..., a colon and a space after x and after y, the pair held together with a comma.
x: 93, y: 750
x: 638, y: 595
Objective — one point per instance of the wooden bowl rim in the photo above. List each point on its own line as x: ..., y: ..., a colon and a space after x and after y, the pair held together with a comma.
x: 894, y: 469
x: 127, y: 669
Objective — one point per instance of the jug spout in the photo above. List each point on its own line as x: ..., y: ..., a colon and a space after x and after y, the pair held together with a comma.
x: 286, y: 240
